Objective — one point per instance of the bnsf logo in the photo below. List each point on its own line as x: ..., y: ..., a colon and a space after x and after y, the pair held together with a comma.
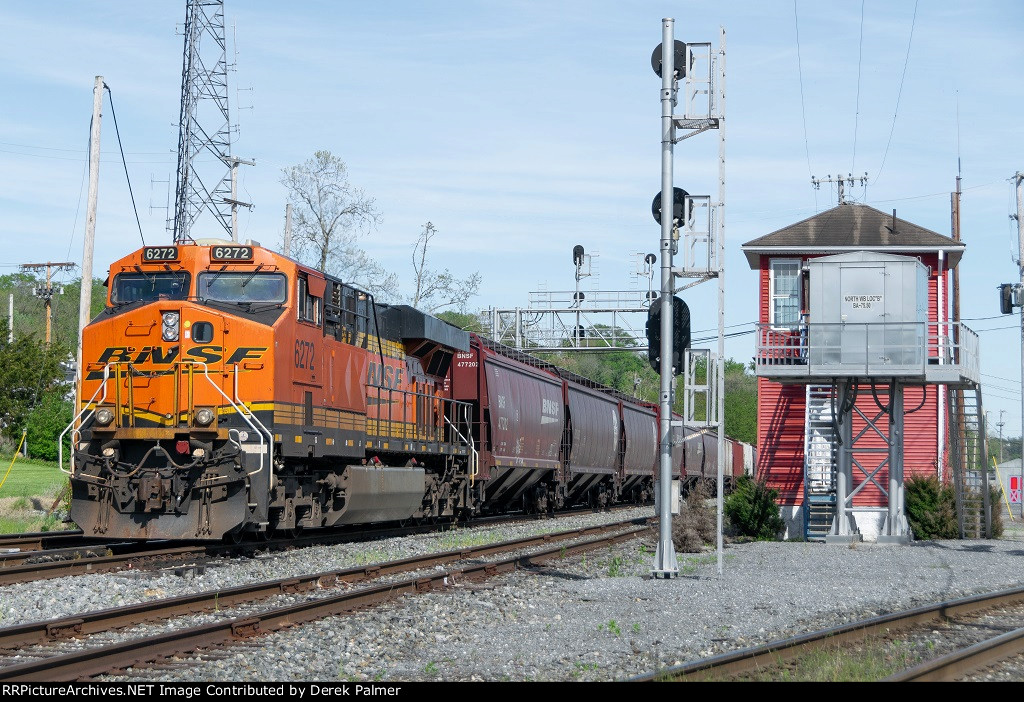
x: 157, y: 355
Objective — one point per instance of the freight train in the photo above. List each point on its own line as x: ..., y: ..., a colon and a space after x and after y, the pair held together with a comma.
x: 228, y: 391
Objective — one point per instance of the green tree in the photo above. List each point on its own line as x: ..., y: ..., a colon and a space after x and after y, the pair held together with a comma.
x: 740, y: 402
x: 30, y: 312
x: 467, y: 322
x: 28, y: 370
x: 1011, y: 448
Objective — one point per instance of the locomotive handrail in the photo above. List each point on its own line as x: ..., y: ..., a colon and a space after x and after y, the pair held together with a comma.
x: 252, y: 415
x: 74, y: 420
x: 474, y: 456
x: 239, y: 410
x: 422, y: 430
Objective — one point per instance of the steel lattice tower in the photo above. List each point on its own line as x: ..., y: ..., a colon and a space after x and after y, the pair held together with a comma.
x: 204, y: 124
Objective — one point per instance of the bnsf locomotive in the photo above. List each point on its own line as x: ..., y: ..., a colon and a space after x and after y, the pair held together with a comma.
x: 228, y: 390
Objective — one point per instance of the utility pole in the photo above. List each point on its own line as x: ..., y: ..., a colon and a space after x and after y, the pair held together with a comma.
x: 1000, y: 424
x: 957, y: 408
x: 841, y: 182
x: 235, y: 203
x: 1018, y: 179
x: 47, y: 290
x: 10, y: 318
x: 85, y: 296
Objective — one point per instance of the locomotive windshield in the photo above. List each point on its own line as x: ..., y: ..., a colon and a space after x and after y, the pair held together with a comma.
x: 249, y: 286
x: 149, y: 287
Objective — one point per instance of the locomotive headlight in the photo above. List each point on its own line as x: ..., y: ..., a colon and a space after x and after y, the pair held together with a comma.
x: 104, y: 416
x: 204, y: 416
x: 171, y: 321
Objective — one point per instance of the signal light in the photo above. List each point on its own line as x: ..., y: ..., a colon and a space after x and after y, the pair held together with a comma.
x: 680, y: 334
x: 678, y: 60
x: 679, y: 204
x: 577, y: 255
x: 1006, y: 298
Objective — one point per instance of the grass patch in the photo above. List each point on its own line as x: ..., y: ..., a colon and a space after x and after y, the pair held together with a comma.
x: 368, y: 557
x: 34, y: 523
x: 30, y: 478
x: 869, y: 661
x: 454, y: 539
x: 690, y: 564
x: 29, y: 490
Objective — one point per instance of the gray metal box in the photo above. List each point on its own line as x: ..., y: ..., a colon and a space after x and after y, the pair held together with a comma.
x: 868, y: 310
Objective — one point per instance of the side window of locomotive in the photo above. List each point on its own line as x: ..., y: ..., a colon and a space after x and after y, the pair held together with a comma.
x: 202, y: 332
x: 149, y: 287
x: 354, y: 315
x: 362, y: 312
x: 308, y: 306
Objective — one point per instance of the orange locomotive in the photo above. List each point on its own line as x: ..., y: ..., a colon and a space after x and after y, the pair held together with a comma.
x: 229, y: 390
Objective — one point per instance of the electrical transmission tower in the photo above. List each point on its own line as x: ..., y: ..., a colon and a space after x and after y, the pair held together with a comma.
x: 204, y: 127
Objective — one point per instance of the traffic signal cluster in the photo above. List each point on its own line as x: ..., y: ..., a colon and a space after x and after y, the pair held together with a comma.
x: 680, y: 334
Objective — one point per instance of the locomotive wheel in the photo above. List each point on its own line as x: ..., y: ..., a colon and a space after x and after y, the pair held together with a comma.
x: 235, y: 537
x: 292, y: 533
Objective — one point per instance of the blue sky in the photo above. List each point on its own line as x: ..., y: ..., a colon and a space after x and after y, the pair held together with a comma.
x: 522, y: 128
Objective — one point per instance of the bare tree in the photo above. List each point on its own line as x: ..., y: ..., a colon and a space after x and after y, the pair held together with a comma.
x: 330, y: 216
x: 438, y: 290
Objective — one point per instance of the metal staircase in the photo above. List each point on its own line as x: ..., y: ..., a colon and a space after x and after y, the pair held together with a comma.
x: 819, y: 463
x: 968, y: 460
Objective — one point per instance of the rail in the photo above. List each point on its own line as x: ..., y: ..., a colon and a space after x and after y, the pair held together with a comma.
x: 868, y: 349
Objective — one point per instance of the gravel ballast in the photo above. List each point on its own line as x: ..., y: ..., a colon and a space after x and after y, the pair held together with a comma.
x: 600, y: 617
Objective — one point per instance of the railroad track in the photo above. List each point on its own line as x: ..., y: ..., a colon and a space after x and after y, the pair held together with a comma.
x: 756, y: 659
x: 105, y: 557
x: 141, y: 651
x: 964, y: 661
x: 40, y: 540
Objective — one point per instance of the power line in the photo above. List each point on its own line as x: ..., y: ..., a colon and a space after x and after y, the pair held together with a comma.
x: 899, y: 94
x: 1009, y: 380
x: 117, y: 131
x: 83, y: 151
x: 1016, y: 326
x: 803, y: 108
x: 981, y: 319
x: 67, y: 158
x: 856, y: 115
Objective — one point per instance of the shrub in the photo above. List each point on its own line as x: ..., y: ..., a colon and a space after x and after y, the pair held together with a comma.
x: 697, y: 523
x: 931, y: 508
x: 753, y: 509
x: 45, y: 423
x: 996, y: 500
